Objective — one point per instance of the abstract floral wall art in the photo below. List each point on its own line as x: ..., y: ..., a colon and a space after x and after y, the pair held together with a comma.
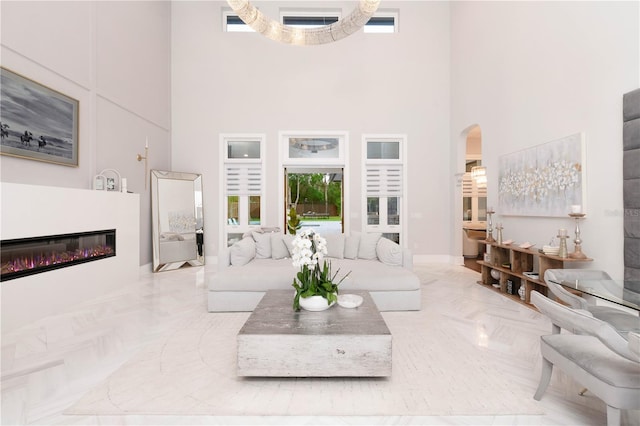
x: 545, y: 180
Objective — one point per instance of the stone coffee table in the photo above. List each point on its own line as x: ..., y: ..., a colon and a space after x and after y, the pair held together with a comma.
x: 278, y: 342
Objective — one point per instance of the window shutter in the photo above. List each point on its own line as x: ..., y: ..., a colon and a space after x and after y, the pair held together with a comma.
x: 384, y: 180
x: 243, y: 179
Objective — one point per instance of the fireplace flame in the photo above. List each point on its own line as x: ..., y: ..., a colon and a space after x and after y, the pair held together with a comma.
x: 35, y: 261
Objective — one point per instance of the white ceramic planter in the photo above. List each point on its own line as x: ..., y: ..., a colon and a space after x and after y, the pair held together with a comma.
x: 315, y: 303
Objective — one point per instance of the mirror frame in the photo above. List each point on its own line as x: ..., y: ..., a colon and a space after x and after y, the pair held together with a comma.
x: 196, y: 179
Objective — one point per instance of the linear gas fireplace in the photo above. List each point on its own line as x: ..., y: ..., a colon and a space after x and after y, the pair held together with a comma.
x: 27, y: 256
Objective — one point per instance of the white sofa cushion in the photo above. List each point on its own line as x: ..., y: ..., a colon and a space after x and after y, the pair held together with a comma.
x: 373, y: 275
x: 263, y: 244
x: 351, y: 245
x: 335, y: 245
x: 242, y: 252
x: 389, y: 252
x: 279, y: 248
x: 288, y: 241
x: 368, y: 244
x: 257, y: 275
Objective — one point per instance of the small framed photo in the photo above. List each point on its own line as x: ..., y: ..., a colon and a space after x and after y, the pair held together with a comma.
x: 99, y: 183
x: 37, y: 123
x: 111, y: 184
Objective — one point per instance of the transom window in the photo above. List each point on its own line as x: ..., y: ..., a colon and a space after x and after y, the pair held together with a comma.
x: 243, y: 149
x: 317, y: 148
x: 383, y: 150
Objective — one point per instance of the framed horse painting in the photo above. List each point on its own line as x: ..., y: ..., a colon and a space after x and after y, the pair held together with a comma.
x: 36, y: 122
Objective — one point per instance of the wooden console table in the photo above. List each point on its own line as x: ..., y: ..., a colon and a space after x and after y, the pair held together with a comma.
x: 512, y: 262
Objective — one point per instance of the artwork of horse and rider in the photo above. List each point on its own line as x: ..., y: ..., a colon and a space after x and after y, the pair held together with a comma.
x: 36, y: 122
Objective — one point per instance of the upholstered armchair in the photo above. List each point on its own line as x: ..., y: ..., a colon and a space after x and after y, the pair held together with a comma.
x: 595, y: 355
x: 622, y: 321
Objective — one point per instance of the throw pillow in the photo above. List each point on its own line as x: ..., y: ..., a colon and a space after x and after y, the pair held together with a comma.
x: 279, y: 249
x: 351, y: 245
x: 335, y: 245
x: 243, y: 252
x: 368, y: 244
x: 389, y: 252
x: 263, y: 245
x: 288, y: 241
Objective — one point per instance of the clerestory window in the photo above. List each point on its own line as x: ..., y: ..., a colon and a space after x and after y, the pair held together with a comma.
x: 381, y: 22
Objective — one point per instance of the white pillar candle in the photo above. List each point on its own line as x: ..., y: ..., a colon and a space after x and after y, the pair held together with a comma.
x: 576, y: 208
x: 562, y: 232
x: 123, y: 184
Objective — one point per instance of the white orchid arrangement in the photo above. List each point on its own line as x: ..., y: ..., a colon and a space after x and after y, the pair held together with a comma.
x: 309, y: 249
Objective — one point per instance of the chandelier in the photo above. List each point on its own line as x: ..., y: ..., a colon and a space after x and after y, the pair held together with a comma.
x: 274, y: 30
x: 479, y: 174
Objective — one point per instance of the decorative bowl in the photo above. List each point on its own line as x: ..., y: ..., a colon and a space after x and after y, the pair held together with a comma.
x: 349, y: 300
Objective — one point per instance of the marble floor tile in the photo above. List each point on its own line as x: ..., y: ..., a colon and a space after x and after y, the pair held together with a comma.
x: 49, y: 365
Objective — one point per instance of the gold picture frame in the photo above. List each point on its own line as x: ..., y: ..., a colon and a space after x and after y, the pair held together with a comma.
x: 37, y: 123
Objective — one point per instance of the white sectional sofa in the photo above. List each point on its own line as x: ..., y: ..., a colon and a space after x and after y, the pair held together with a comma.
x: 261, y: 261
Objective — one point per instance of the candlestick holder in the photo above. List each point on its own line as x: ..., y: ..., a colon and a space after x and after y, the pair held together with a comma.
x: 499, y: 229
x: 562, y: 251
x: 490, y: 238
x: 577, y: 252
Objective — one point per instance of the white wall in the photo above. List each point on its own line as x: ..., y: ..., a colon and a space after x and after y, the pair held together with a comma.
x: 366, y: 83
x: 533, y: 72
x: 114, y: 58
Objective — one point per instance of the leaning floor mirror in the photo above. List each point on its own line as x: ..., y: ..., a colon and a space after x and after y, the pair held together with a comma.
x: 177, y: 221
